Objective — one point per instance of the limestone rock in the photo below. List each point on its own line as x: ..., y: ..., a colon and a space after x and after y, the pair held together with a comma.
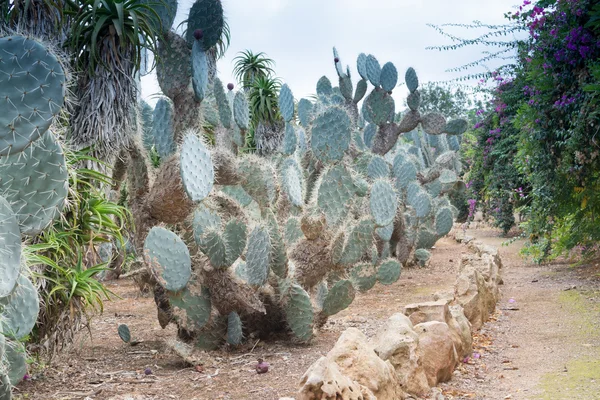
x: 436, y: 351
x: 323, y: 380
x: 397, y: 343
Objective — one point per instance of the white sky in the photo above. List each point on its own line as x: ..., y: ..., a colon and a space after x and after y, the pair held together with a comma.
x: 299, y: 36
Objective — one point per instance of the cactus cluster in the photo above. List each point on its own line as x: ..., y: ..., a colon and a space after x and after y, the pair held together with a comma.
x: 33, y: 184
x: 261, y: 243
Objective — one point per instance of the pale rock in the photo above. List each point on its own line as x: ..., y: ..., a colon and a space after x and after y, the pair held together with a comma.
x: 397, y: 343
x: 436, y: 351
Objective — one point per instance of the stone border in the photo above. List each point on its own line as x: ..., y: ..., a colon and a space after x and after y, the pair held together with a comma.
x: 414, y: 350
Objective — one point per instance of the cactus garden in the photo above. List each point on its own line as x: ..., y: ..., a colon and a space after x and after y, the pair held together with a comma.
x: 215, y: 239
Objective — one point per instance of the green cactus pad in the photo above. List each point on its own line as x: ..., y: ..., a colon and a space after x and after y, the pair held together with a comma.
x: 339, y: 297
x: 422, y: 255
x: 204, y: 221
x: 163, y: 127
x: 385, y: 232
x: 413, y: 189
x: 378, y: 168
x: 235, y: 240
x: 335, y: 194
x: 346, y: 87
x: 258, y: 256
x: 210, y: 111
x: 2, y: 343
x: 191, y: 306
x: 405, y: 173
x: 222, y: 103
x: 146, y: 112
x: 361, y: 66
x: 448, y: 178
x: 168, y: 258
x: 338, y: 65
x: 361, y: 90
x: 369, y: 134
x: 299, y: 313
x: 389, y: 77
x: 258, y: 180
x: 10, y: 248
x: 426, y: 239
x: 324, y: 87
x: 305, y: 112
x: 434, y: 188
x: 454, y: 143
x: 199, y: 71
x: 213, y: 246
x: 331, y: 135
x: 278, y: 257
x: 292, y: 184
x: 293, y: 232
x: 422, y: 204
x: 443, y: 221
x: 321, y: 294
x: 413, y: 101
x: 373, y: 70
x: 237, y: 193
x: 362, y: 186
x: 383, y: 202
x: 358, y: 140
x: 337, y: 247
x: 363, y: 276
x: 411, y: 79
x: 15, y: 358
x: 456, y: 127
x: 290, y: 140
x: 389, y: 272
x: 286, y: 103
x: 241, y: 111
x: 206, y: 15
x: 197, y: 172
x: 359, y: 242
x: 234, y: 329
x: 20, y: 309
x: 378, y: 107
x: 33, y: 92
x: 124, y: 333
x: 211, y: 336
x: 434, y: 123
x: 173, y: 69
x: 35, y: 183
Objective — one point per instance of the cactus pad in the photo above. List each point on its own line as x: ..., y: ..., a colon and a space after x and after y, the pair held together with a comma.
x: 346, y: 87
x: 299, y: 313
x: 33, y: 92
x: 389, y: 77
x: 443, y: 221
x: 10, y: 248
x: 293, y: 232
x: 363, y: 276
x: 422, y: 255
x: 434, y: 123
x: 373, y: 70
x: 199, y: 71
x: 405, y: 173
x: 359, y: 242
x: 369, y: 134
x: 124, y: 333
x: 235, y: 240
x: 378, y: 168
x: 35, y: 183
x: 378, y: 107
x: 335, y: 194
x: 286, y: 103
x: 206, y: 15
x: 389, y: 272
x: 331, y: 135
x: 234, y: 329
x: 292, y: 184
x: 20, y: 309
x: 163, y: 127
x: 339, y: 297
x: 197, y: 172
x: 222, y: 103
x: 361, y: 66
x: 17, y: 363
x: 413, y: 101
x: 411, y: 79
x: 385, y: 232
x: 258, y: 180
x: 290, y: 140
x: 305, y: 110
x: 456, y: 127
x: 324, y: 87
x: 258, y: 256
x: 237, y: 193
x: 383, y: 202
x: 168, y: 258
x: 241, y: 111
x: 191, y: 306
x: 453, y: 142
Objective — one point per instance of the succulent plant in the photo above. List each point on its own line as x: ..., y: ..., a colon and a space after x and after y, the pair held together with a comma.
x: 33, y: 185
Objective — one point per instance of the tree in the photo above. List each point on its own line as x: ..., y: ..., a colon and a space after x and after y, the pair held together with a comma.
x: 249, y: 67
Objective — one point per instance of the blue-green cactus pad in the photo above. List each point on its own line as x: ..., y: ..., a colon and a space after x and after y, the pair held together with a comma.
x: 369, y: 134
x: 33, y: 88
x: 331, y: 135
x: 378, y: 168
x: 405, y: 173
x: 335, y: 194
x: 339, y: 297
x: 222, y: 103
x: 166, y: 11
x: 237, y: 193
x: 258, y: 180
x: 168, y: 258
x: 286, y: 103
x: 378, y: 107
x: 10, y: 248
x: 241, y: 111
x: 383, y: 202
x: 199, y: 71
x: 338, y: 65
x: 35, y: 183
x: 299, y: 313
x: 305, y: 112
x: 443, y: 221
x: 292, y: 183
x: 454, y: 142
x: 235, y: 240
x: 361, y: 66
x: 324, y: 87
x: 362, y: 186
x: 234, y: 329
x: 346, y: 87
x: 191, y: 306
x: 433, y: 124
x: 411, y: 79
x: 17, y: 363
x: 389, y: 77
x: 290, y: 140
x: 385, y: 232
x: 208, y: 16
x: 213, y: 246
x: 426, y: 239
x: 124, y: 333
x: 413, y: 101
x: 373, y: 70
x: 363, y: 276
x: 20, y: 309
x: 361, y: 90
x: 197, y: 172
x: 163, y: 126
x: 293, y: 232
x: 456, y: 127
x: 205, y: 220
x: 258, y: 256
x: 359, y: 242
x: 389, y: 272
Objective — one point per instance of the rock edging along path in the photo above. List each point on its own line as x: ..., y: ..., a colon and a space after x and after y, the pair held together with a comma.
x: 414, y: 350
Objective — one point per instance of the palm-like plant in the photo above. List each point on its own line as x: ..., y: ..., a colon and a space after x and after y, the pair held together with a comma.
x: 249, y: 66
x: 263, y: 98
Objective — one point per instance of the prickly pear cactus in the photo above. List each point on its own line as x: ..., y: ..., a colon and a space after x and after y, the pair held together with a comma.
x: 33, y: 185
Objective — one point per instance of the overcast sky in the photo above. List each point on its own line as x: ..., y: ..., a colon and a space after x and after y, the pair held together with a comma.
x: 299, y: 36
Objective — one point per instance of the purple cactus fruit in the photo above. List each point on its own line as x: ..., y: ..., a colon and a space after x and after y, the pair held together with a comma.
x: 198, y: 34
x: 230, y: 86
x: 147, y: 371
x: 389, y: 92
x: 337, y: 59
x: 262, y: 367
x: 26, y: 377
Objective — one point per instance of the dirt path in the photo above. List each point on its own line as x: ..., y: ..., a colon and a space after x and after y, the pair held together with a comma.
x: 544, y: 345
